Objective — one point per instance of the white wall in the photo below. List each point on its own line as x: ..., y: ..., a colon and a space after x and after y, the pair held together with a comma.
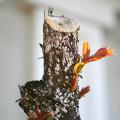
x: 16, y: 58
x: 113, y: 73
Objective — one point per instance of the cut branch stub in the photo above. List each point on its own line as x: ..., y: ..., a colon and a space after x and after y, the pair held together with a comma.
x: 52, y: 94
x: 60, y: 55
x: 60, y: 48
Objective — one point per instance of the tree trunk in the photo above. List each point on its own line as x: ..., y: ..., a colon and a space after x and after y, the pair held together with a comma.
x: 52, y: 94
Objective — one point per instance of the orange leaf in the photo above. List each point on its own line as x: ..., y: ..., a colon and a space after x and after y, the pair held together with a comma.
x: 86, y: 49
x: 104, y: 52
x: 101, y: 53
x: 84, y: 91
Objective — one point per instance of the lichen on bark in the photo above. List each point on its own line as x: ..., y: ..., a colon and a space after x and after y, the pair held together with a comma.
x: 60, y: 53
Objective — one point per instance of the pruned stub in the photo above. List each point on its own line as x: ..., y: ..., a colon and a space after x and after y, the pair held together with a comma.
x: 60, y: 51
x: 52, y: 94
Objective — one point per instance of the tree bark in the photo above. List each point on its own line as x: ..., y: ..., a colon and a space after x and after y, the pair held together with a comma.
x: 60, y: 53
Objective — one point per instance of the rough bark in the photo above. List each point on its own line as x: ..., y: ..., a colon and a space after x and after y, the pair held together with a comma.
x: 52, y: 94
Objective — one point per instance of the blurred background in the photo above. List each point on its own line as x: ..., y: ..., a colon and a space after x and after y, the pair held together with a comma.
x: 21, y: 23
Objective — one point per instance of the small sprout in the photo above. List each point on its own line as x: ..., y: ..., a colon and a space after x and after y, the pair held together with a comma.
x: 77, y: 68
x: 84, y: 91
x: 73, y: 84
x: 17, y: 100
x: 41, y: 45
x: 101, y: 53
x: 40, y: 57
x: 80, y: 76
